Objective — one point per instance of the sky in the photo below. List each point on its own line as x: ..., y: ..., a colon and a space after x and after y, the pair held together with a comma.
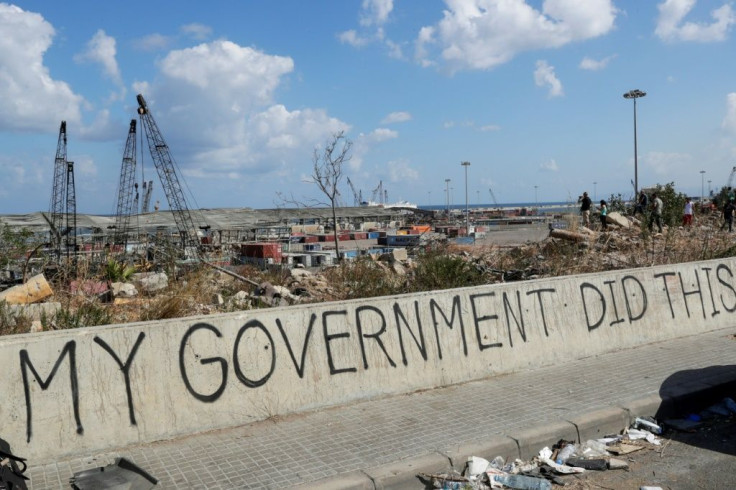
x: 530, y: 92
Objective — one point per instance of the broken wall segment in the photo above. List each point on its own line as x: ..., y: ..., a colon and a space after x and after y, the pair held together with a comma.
x: 90, y: 389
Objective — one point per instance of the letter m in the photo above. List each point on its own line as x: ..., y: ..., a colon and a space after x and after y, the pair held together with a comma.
x: 25, y: 365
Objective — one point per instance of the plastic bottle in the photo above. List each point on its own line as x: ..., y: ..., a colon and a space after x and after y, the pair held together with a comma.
x: 521, y: 482
x: 565, y: 453
x: 647, y: 425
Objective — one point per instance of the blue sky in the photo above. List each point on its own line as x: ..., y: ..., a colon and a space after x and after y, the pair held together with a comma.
x: 529, y: 92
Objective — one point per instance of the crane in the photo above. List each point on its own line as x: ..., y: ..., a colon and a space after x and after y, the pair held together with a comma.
x: 147, y: 191
x: 379, y: 195
x: 126, y: 187
x: 58, y: 193
x: 166, y: 169
x: 71, y: 215
x: 357, y: 195
x: 493, y: 197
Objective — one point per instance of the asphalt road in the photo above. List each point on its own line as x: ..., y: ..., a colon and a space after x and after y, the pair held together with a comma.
x: 702, y: 459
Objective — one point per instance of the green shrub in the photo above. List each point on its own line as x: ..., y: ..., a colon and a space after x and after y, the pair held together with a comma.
x: 437, y: 270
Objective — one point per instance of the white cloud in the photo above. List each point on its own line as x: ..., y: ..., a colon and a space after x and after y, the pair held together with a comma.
x: 481, y: 34
x: 373, y: 16
x: 400, y: 171
x: 595, y: 65
x: 352, y: 38
x: 375, y: 12
x: 396, y: 117
x: 549, y: 166
x: 490, y: 127
x: 729, y: 121
x: 31, y: 99
x: 666, y: 164
x: 199, y: 32
x: 217, y: 100
x: 101, y: 49
x: 153, y: 42
x: 544, y: 75
x: 670, y: 26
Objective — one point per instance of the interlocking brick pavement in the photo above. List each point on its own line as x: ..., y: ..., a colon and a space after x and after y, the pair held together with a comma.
x: 321, y: 446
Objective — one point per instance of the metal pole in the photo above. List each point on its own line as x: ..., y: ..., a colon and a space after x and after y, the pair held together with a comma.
x: 447, y: 196
x: 635, y: 94
x: 595, y: 191
x: 467, y: 215
x: 636, y: 158
x: 702, y: 187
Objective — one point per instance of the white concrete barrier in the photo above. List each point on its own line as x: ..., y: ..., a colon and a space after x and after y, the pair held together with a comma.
x: 81, y: 391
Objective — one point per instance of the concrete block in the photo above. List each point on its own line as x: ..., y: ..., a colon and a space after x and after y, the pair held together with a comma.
x: 600, y: 423
x: 530, y: 441
x: 35, y: 311
x: 487, y: 448
x: 36, y: 289
x: 404, y: 474
x: 354, y: 480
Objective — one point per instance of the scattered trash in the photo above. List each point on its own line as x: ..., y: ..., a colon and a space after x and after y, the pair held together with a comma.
x: 589, y: 464
x: 648, y: 424
x: 617, y: 464
x: 522, y: 482
x: 120, y: 475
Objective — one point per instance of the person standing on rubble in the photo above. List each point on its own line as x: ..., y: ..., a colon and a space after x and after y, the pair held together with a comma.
x: 656, y: 210
x: 687, y: 213
x: 585, y: 209
x: 642, y: 203
x: 604, y: 213
x: 728, y: 210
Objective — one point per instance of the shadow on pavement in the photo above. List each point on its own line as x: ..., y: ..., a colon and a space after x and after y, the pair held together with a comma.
x: 693, y: 410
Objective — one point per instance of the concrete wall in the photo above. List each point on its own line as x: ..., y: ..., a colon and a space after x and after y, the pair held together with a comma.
x: 85, y: 390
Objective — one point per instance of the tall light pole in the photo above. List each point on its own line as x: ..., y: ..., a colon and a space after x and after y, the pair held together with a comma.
x: 535, y: 195
x: 635, y: 94
x: 447, y: 196
x: 429, y: 197
x: 702, y: 187
x: 710, y: 192
x: 467, y: 215
x: 595, y: 191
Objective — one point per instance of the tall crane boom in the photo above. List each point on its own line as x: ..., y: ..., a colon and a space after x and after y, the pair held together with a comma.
x: 126, y: 187
x: 357, y: 195
x: 165, y: 167
x: 58, y: 195
x: 71, y: 215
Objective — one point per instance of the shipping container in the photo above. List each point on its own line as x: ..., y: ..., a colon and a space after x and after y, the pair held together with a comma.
x: 264, y: 250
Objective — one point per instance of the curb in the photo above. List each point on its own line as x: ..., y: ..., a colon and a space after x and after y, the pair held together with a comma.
x: 526, y: 444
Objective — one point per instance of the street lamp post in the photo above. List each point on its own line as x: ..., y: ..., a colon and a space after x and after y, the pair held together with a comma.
x: 429, y: 197
x: 702, y: 188
x: 535, y: 195
x: 635, y: 94
x: 447, y: 196
x: 595, y: 191
x: 467, y: 215
x: 710, y: 192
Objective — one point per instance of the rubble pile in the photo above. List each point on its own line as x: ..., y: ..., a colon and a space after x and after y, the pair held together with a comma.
x: 627, y: 243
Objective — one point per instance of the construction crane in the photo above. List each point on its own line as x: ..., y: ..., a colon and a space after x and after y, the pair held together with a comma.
x: 147, y: 191
x: 379, y: 195
x: 493, y: 197
x: 166, y: 169
x: 71, y: 217
x: 357, y: 195
x: 126, y: 188
x: 56, y: 209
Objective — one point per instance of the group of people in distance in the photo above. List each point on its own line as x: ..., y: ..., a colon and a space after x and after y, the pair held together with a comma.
x: 654, y: 208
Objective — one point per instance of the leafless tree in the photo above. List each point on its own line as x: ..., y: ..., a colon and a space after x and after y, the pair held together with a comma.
x: 327, y: 172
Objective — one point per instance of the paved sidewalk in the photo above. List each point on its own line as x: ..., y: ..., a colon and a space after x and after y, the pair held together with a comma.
x: 384, y: 442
